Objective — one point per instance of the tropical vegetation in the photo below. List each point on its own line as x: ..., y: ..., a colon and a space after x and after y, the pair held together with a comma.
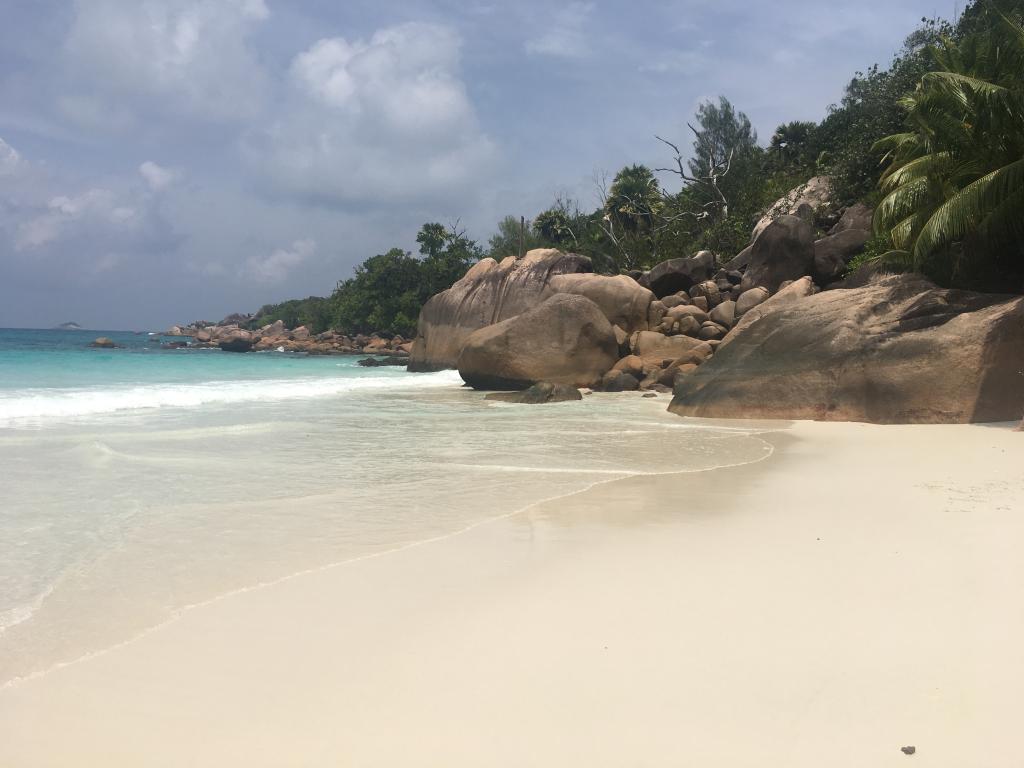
x: 954, y: 181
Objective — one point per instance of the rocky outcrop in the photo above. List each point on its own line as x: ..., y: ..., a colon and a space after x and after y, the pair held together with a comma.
x: 657, y: 350
x: 834, y: 252
x: 805, y: 199
x: 857, y: 216
x: 489, y: 293
x: 783, y: 251
x: 798, y: 289
x: 622, y: 300
x: 675, y: 275
x: 564, y: 340
x: 104, y: 343
x: 236, y: 341
x: 898, y: 350
x: 276, y: 328
x: 539, y: 394
x: 750, y: 299
x: 235, y: 318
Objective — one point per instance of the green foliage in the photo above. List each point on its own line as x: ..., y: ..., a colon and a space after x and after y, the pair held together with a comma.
x: 874, y: 252
x: 722, y: 132
x: 553, y: 226
x: 382, y: 295
x: 387, y: 291
x: 795, y: 145
x: 954, y: 185
x: 506, y: 241
x: 313, y: 312
x: 633, y: 200
x: 870, y: 109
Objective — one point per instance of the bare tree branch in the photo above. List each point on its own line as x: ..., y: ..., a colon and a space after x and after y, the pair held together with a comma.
x: 716, y: 171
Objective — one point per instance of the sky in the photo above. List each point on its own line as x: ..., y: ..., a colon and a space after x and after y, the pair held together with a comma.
x: 163, y: 161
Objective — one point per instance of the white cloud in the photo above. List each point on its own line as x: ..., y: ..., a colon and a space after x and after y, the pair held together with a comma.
x: 10, y: 160
x: 276, y: 267
x: 375, y: 120
x: 176, y: 56
x: 81, y: 233
x: 93, y: 206
x: 156, y: 176
x: 565, y: 34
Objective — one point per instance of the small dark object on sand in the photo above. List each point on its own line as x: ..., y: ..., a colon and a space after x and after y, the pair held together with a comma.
x: 908, y: 750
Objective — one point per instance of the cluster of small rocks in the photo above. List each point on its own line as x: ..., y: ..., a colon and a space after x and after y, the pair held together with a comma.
x: 703, y: 299
x: 275, y: 336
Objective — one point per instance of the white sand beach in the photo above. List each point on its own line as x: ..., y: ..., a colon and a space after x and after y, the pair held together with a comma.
x: 856, y: 592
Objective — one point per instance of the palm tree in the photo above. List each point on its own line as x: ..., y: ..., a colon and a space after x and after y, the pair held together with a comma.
x: 634, y: 199
x: 954, y: 185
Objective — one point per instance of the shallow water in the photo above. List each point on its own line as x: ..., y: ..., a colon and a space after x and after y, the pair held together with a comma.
x: 139, y: 482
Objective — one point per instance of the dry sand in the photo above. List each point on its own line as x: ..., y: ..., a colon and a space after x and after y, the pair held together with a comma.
x: 857, y: 592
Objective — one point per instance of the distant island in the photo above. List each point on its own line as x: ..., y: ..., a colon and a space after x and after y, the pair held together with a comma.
x: 67, y: 327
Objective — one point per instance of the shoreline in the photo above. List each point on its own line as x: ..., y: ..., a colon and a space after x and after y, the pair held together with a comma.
x: 619, y: 475
x: 766, y: 616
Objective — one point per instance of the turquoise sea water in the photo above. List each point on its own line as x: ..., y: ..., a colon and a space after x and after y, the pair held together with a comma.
x: 50, y: 373
x: 140, y: 481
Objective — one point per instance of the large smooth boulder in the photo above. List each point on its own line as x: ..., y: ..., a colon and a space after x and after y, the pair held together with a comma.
x: 898, y: 350
x: 565, y: 340
x: 724, y: 314
x: 274, y: 329
x: 857, y: 216
x: 489, y: 293
x: 104, y: 343
x: 798, y: 289
x: 619, y: 381
x: 655, y: 348
x: 815, y: 194
x: 783, y: 251
x: 624, y: 302
x: 538, y: 394
x: 750, y: 299
x: 739, y: 261
x: 834, y: 252
x: 236, y: 341
x: 676, y: 275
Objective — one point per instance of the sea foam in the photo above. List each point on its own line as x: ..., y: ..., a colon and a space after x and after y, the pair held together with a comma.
x: 35, y: 405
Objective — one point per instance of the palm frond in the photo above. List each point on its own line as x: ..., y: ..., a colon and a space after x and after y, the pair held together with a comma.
x: 966, y: 210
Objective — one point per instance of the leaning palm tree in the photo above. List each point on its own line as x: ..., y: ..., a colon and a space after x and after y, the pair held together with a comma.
x: 954, y: 185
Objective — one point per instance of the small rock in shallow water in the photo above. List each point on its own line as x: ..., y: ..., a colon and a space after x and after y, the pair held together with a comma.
x: 539, y: 393
x: 908, y: 750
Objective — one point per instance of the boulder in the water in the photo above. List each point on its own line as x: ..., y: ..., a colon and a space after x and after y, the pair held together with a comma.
x: 540, y: 393
x: 236, y: 341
